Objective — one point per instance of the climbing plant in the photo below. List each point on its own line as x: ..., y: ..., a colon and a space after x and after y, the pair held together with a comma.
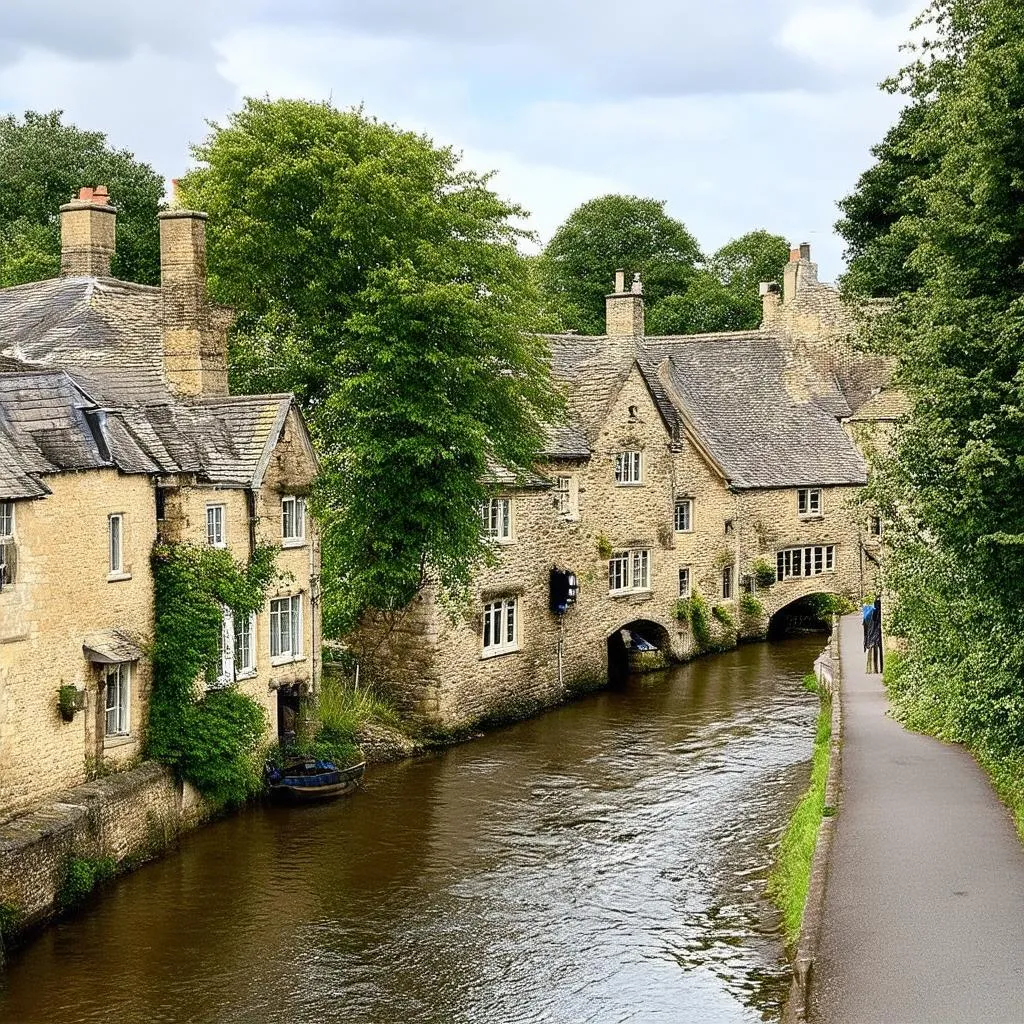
x: 210, y: 739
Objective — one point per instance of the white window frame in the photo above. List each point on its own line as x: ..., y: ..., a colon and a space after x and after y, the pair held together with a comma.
x: 500, y: 628
x: 805, y: 562
x: 684, y: 505
x: 629, y: 571
x: 121, y: 708
x: 873, y: 522
x: 6, y: 520
x: 115, y: 546
x: 292, y: 607
x: 244, y: 647
x: 295, y: 518
x: 629, y: 469
x: 809, y: 503
x: 225, y: 651
x: 496, y: 519
x: 685, y: 581
x: 216, y: 525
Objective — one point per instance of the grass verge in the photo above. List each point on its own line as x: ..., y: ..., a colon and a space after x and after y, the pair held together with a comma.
x: 789, y: 880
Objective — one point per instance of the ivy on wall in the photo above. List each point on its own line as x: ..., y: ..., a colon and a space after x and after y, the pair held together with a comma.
x: 211, y: 739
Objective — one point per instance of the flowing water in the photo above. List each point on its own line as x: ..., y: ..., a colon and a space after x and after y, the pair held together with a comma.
x: 604, y: 862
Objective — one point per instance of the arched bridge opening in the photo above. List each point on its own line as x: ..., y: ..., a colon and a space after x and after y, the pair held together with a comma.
x: 638, y: 646
x: 811, y: 613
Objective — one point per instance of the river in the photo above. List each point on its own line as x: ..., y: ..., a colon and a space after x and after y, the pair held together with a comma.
x: 604, y: 862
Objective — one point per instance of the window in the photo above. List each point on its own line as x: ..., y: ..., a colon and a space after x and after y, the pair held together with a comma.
x: 245, y: 647
x: 684, y: 581
x: 563, y: 495
x: 286, y: 627
x: 501, y: 626
x: 628, y: 466
x: 809, y: 561
x: 6, y: 520
x: 629, y: 572
x: 874, y: 527
x: 293, y: 521
x: 215, y: 526
x: 496, y: 519
x: 115, y: 544
x: 808, y: 501
x: 8, y: 552
x: 161, y: 504
x: 225, y: 651
x: 727, y: 582
x: 118, y: 683
x: 684, y: 515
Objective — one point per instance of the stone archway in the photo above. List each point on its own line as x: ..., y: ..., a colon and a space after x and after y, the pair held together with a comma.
x: 628, y: 648
x: 804, y: 613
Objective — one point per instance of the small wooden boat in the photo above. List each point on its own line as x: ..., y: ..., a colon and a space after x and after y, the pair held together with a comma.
x: 308, y: 779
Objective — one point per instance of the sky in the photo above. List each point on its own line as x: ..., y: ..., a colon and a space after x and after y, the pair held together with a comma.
x: 740, y: 114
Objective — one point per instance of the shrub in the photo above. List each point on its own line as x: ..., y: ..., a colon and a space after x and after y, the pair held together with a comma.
x: 751, y: 607
x: 604, y: 547
x: 700, y: 620
x: 80, y: 876
x: 724, y: 616
x: 764, y: 573
x: 67, y: 701
x: 10, y: 919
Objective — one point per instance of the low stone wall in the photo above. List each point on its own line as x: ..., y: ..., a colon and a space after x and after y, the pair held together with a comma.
x: 128, y: 817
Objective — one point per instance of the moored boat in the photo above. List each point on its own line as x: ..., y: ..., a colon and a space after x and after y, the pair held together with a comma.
x: 309, y: 779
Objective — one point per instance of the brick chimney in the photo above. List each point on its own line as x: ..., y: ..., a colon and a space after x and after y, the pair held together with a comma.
x: 194, y: 337
x: 624, y: 310
x: 800, y: 271
x: 87, y: 234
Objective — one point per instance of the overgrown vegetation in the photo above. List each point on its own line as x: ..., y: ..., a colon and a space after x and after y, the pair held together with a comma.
x: 80, y: 877
x: 11, y: 917
x: 724, y: 616
x: 694, y: 611
x: 790, y: 878
x: 751, y: 607
x: 383, y: 284
x: 764, y: 574
x: 945, y: 205
x: 211, y: 739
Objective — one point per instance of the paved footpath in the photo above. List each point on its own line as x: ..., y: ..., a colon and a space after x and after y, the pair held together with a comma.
x: 924, y: 903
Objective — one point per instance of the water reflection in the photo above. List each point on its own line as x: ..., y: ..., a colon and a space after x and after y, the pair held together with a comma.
x: 604, y: 862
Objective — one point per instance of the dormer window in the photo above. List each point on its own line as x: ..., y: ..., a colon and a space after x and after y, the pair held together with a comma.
x: 293, y: 521
x: 628, y: 468
x: 808, y: 501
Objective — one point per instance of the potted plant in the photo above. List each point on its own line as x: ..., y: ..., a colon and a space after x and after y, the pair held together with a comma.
x: 67, y: 702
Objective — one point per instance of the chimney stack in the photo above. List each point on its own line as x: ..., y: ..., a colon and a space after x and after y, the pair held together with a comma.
x: 624, y: 310
x: 194, y: 341
x: 800, y: 271
x: 87, y: 234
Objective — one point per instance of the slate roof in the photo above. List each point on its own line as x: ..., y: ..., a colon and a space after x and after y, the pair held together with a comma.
x: 82, y: 386
x: 764, y: 424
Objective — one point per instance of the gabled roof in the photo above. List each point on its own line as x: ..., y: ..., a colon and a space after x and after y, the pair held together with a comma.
x: 83, y: 387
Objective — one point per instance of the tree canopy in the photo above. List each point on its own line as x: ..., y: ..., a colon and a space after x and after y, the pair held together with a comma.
x: 43, y: 164
x: 952, y: 485
x: 683, y: 292
x: 613, y: 232
x: 384, y: 286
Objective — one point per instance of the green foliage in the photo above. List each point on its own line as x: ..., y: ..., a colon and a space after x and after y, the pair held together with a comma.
x: 43, y: 164
x: 11, y: 916
x: 210, y: 740
x: 824, y: 606
x: 790, y: 878
x: 577, y: 268
x: 751, y: 607
x: 604, y: 547
x: 810, y: 682
x: 764, y: 574
x: 694, y: 611
x: 951, y: 485
x: 67, y: 701
x: 80, y: 877
x: 384, y: 287
x: 682, y: 295
x: 724, y: 616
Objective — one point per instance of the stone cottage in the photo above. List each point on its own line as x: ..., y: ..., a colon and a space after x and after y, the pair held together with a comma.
x: 116, y: 429
x: 719, y: 467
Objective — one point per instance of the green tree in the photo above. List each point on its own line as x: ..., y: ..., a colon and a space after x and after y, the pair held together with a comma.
x: 577, y: 268
x: 43, y: 163
x: 742, y: 264
x: 384, y: 286
x: 953, y: 482
x: 707, y: 305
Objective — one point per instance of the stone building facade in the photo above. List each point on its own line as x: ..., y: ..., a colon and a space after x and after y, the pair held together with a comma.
x: 116, y: 429
x: 695, y: 465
